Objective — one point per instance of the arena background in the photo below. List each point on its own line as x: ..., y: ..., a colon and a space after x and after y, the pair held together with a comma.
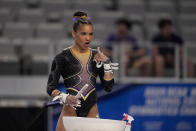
x: 33, y: 31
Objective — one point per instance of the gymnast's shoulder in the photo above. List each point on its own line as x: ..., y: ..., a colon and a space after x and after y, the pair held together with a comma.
x: 63, y: 54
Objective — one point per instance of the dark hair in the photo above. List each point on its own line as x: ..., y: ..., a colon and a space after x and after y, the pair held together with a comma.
x: 80, y: 17
x: 164, y: 22
x: 125, y: 22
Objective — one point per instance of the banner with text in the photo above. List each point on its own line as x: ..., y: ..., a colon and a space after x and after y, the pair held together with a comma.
x: 155, y: 107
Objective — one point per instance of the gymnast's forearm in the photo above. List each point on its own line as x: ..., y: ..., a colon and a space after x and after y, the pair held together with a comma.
x: 52, y: 83
x: 108, y: 76
x: 108, y: 81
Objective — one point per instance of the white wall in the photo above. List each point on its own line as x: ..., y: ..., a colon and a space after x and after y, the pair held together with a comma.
x: 23, y: 86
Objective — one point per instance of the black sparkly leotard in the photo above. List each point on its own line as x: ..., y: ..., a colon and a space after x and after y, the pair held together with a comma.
x: 77, y: 70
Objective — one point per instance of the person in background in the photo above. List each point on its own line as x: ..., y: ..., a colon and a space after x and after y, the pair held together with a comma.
x: 163, y: 48
x: 135, y: 57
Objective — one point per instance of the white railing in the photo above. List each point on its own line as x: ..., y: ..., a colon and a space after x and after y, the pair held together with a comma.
x: 180, y: 74
x: 189, y: 54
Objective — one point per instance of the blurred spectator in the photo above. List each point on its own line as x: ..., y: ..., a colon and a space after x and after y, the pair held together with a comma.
x: 163, y: 48
x: 135, y: 57
x: 114, y: 5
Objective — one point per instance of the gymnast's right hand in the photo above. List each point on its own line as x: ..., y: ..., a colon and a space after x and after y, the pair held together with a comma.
x: 67, y: 99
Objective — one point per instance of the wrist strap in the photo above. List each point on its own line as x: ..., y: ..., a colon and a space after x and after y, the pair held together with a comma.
x: 107, y: 66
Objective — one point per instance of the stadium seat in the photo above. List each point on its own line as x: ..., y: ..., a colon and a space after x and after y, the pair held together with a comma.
x: 137, y: 22
x: 5, y: 41
x: 151, y: 31
x: 90, y: 6
x: 36, y: 55
x: 188, y: 7
x: 32, y: 16
x: 191, y: 47
x: 108, y: 17
x: 137, y: 31
x: 5, y: 15
x: 187, y: 20
x: 9, y: 61
x: 50, y: 30
x: 18, y: 30
x: 54, y: 17
x: 152, y: 18
x: 135, y: 18
x: 12, y: 4
x: 189, y: 33
x: 32, y: 3
x: 162, y: 6
x: 132, y: 7
x: 102, y: 31
x: 54, y: 5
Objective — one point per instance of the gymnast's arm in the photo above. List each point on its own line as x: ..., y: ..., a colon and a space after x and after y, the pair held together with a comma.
x: 53, y: 80
x: 107, y: 79
x: 105, y: 72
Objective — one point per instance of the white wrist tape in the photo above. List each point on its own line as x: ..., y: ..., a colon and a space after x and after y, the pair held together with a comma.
x: 107, y: 68
x: 61, y: 97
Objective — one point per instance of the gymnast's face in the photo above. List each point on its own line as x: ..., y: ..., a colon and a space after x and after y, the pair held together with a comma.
x: 83, y: 36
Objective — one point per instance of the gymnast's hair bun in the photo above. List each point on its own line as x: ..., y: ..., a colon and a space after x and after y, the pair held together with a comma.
x: 80, y: 14
x: 80, y: 17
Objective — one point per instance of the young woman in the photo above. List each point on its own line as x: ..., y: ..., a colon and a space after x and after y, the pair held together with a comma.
x: 78, y: 65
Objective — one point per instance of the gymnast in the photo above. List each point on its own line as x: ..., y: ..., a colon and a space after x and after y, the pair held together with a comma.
x: 79, y: 65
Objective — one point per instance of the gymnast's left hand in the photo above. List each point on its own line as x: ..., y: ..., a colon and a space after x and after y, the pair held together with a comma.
x: 72, y: 101
x: 100, y: 57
